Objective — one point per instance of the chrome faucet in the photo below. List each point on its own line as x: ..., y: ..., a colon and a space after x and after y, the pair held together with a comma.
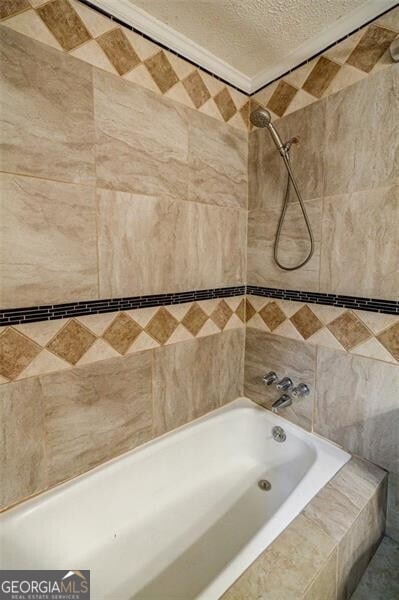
x: 269, y: 378
x: 300, y: 390
x: 284, y: 384
x: 284, y: 401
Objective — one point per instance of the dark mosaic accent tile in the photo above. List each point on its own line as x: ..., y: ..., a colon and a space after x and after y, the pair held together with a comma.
x: 372, y: 305
x: 14, y: 316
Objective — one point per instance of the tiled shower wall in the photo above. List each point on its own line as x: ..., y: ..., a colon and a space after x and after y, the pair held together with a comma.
x: 346, y: 163
x: 110, y: 190
x: 166, y: 166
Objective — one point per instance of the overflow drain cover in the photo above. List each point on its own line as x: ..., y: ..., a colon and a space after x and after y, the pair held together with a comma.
x: 264, y: 485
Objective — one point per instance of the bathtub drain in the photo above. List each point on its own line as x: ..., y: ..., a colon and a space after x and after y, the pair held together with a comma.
x: 264, y: 485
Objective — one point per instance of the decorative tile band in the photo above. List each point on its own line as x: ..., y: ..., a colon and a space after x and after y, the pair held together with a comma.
x: 15, y: 316
x: 362, y: 53
x: 34, y: 348
x: 31, y: 349
x: 88, y: 34
x: 371, y: 334
x: 389, y: 307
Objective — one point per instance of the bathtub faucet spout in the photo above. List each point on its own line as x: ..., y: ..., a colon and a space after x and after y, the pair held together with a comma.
x: 282, y: 402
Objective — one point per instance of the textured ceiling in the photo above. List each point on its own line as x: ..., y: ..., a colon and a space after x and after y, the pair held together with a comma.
x: 250, y: 35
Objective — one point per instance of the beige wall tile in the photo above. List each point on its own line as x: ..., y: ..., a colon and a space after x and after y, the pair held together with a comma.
x: 360, y: 250
x: 142, y: 139
x: 42, y: 331
x: 357, y: 405
x: 287, y: 567
x: 267, y: 174
x: 44, y: 362
x: 231, y: 357
x: 193, y: 246
x: 340, y: 52
x: 293, y: 248
x: 336, y: 507
x: 357, y: 548
x: 29, y: 23
x: 267, y: 352
x: 100, y: 350
x: 47, y: 255
x: 95, y: 412
x: 218, y: 163
x: 47, y: 106
x: 141, y: 76
x: 346, y: 75
x: 95, y: 22
x: 186, y: 380
x: 93, y: 54
x: 194, y: 377
x: 142, y: 46
x: 324, y: 586
x: 357, y: 156
x: 22, y: 453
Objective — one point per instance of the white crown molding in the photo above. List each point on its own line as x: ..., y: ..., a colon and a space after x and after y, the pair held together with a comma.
x: 159, y: 31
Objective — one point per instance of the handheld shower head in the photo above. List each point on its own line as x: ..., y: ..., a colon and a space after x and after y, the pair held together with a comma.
x: 262, y: 118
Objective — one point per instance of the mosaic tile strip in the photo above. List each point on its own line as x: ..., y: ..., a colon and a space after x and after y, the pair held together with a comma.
x: 14, y: 316
x: 370, y: 334
x: 360, y: 54
x: 88, y: 34
x: 390, y: 307
x: 31, y: 349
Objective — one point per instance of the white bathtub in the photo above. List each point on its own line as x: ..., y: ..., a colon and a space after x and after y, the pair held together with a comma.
x: 181, y: 517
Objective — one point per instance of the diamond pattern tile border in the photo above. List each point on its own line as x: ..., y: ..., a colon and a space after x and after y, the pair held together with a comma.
x: 375, y: 335
x: 74, y: 28
x: 74, y: 340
